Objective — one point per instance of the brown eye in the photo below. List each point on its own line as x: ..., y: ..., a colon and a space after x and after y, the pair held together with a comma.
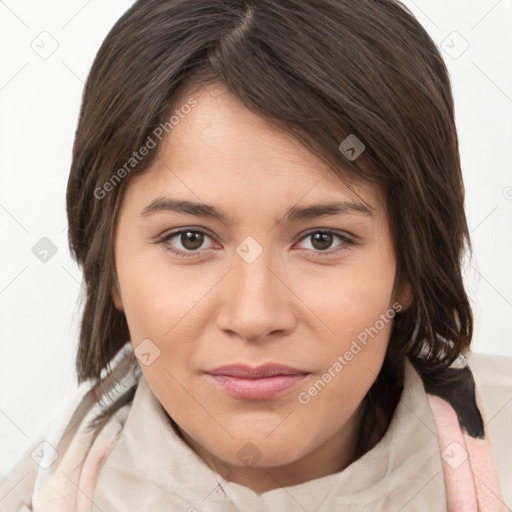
x: 186, y: 242
x: 191, y: 240
x: 322, y: 240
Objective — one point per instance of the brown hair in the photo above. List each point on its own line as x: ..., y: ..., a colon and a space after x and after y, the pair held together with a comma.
x: 323, y: 70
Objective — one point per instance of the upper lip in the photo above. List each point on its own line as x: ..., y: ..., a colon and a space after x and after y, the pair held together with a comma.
x: 255, y: 372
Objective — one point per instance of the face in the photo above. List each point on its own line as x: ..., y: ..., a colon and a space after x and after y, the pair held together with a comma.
x: 273, y: 281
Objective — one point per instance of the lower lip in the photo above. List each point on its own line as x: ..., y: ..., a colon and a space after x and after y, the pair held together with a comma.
x: 258, y: 389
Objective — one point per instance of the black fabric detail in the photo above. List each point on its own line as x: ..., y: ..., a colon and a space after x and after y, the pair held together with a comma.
x: 457, y: 387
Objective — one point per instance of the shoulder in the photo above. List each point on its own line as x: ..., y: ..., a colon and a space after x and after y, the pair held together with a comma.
x: 493, y: 380
x: 17, y: 487
x: 491, y: 369
x: 57, y: 459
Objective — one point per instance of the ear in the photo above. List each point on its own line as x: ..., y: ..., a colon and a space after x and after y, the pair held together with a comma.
x: 116, y: 296
x: 405, y: 295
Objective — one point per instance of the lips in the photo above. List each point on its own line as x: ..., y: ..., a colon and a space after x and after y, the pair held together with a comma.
x: 248, y: 372
x: 257, y: 383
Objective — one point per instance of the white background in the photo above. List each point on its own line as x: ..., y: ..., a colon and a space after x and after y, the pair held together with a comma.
x: 39, y: 104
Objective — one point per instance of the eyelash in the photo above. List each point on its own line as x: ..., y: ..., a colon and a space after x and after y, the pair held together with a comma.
x: 346, y: 241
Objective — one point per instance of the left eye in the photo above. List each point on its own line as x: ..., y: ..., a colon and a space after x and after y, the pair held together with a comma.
x: 322, y: 240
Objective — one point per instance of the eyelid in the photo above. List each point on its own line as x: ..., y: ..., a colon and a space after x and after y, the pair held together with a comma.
x: 164, y: 239
x: 342, y: 234
x: 345, y: 240
x: 179, y: 231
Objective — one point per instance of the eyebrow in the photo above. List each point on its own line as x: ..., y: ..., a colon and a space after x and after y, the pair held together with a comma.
x: 167, y: 204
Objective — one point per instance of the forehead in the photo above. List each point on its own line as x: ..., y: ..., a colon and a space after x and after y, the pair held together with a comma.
x: 221, y: 129
x: 221, y: 150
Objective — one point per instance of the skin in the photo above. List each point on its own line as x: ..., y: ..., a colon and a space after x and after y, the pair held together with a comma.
x: 298, y: 303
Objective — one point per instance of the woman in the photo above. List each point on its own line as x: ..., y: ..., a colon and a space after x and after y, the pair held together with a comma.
x: 266, y: 200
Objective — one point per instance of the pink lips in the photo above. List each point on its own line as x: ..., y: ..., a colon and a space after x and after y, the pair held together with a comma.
x: 258, y: 383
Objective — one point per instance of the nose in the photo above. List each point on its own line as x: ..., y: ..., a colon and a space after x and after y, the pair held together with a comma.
x: 257, y: 302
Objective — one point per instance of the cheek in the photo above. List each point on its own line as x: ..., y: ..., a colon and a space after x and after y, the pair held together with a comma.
x: 351, y: 298
x: 168, y: 311
x: 351, y: 361
x: 145, y: 304
x: 354, y: 308
x: 157, y: 295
